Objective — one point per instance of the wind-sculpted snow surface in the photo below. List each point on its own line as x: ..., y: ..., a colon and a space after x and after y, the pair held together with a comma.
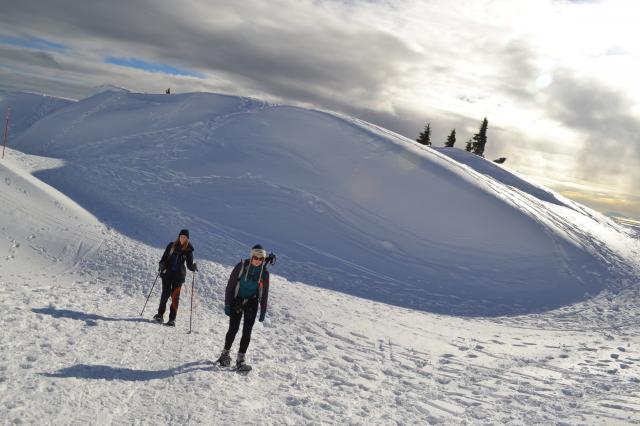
x: 346, y: 205
x: 41, y: 231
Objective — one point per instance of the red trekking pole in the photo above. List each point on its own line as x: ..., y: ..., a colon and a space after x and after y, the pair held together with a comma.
x: 193, y: 283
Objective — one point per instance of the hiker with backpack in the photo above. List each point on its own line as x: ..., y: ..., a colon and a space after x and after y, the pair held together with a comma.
x: 247, y: 290
x: 173, y: 273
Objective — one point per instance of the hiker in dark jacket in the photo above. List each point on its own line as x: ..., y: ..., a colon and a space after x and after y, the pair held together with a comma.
x: 173, y: 274
x: 247, y: 290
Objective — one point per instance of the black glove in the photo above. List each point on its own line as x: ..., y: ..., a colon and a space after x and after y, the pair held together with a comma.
x: 161, y: 266
x: 271, y: 259
x: 195, y: 266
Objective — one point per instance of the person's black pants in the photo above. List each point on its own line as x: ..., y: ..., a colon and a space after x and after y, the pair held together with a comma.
x: 250, y: 310
x: 171, y: 286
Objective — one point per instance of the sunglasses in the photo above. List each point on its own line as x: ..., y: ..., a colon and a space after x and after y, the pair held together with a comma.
x: 257, y: 258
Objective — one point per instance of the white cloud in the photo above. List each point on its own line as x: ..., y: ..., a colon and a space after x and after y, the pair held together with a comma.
x: 531, y: 67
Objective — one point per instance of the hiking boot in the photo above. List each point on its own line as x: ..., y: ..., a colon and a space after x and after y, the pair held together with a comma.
x: 170, y: 323
x: 225, y: 359
x: 158, y: 318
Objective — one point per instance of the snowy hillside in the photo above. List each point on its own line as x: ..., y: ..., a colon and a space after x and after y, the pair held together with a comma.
x: 347, y: 207
x: 27, y: 108
x: 75, y: 351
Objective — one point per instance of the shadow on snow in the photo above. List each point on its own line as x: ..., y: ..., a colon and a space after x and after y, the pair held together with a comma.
x: 89, y: 319
x: 106, y: 372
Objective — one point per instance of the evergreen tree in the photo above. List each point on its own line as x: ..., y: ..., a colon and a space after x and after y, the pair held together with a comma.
x: 480, y: 139
x: 469, y: 146
x: 425, y: 137
x: 451, y: 140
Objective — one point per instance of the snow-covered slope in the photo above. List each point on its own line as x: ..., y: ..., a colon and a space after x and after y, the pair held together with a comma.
x: 44, y: 229
x: 74, y: 350
x: 26, y: 109
x: 347, y: 206
x: 104, y: 88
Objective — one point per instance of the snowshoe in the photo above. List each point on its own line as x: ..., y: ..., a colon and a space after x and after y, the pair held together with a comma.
x: 243, y: 368
x: 158, y: 318
x: 170, y: 323
x: 225, y: 359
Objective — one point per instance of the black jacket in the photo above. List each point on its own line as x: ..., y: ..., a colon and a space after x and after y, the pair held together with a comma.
x: 177, y: 257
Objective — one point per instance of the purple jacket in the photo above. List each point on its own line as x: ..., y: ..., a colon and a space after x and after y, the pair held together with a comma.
x: 233, y: 286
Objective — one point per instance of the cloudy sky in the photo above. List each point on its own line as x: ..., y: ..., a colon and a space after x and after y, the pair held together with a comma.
x: 557, y: 79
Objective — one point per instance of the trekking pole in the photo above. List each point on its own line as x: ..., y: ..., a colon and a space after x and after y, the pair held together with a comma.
x: 154, y: 284
x: 193, y: 283
x: 6, y: 129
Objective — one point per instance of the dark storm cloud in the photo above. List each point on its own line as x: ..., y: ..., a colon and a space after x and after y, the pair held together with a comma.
x: 309, y: 53
x: 59, y: 75
x: 115, y: 19
x: 293, y: 55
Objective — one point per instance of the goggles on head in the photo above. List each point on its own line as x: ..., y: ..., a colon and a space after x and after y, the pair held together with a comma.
x: 258, y: 254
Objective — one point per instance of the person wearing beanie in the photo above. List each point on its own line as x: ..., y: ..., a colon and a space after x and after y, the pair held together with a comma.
x: 247, y: 290
x: 173, y: 273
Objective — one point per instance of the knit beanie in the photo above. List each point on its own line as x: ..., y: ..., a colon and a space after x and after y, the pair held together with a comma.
x: 258, y: 251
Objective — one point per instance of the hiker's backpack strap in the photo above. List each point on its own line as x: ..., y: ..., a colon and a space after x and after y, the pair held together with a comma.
x: 238, y: 282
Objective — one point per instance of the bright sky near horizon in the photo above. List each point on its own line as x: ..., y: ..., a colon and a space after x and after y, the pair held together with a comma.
x: 556, y: 79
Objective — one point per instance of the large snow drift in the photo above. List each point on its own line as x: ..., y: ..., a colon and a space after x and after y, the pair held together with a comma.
x: 346, y: 205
